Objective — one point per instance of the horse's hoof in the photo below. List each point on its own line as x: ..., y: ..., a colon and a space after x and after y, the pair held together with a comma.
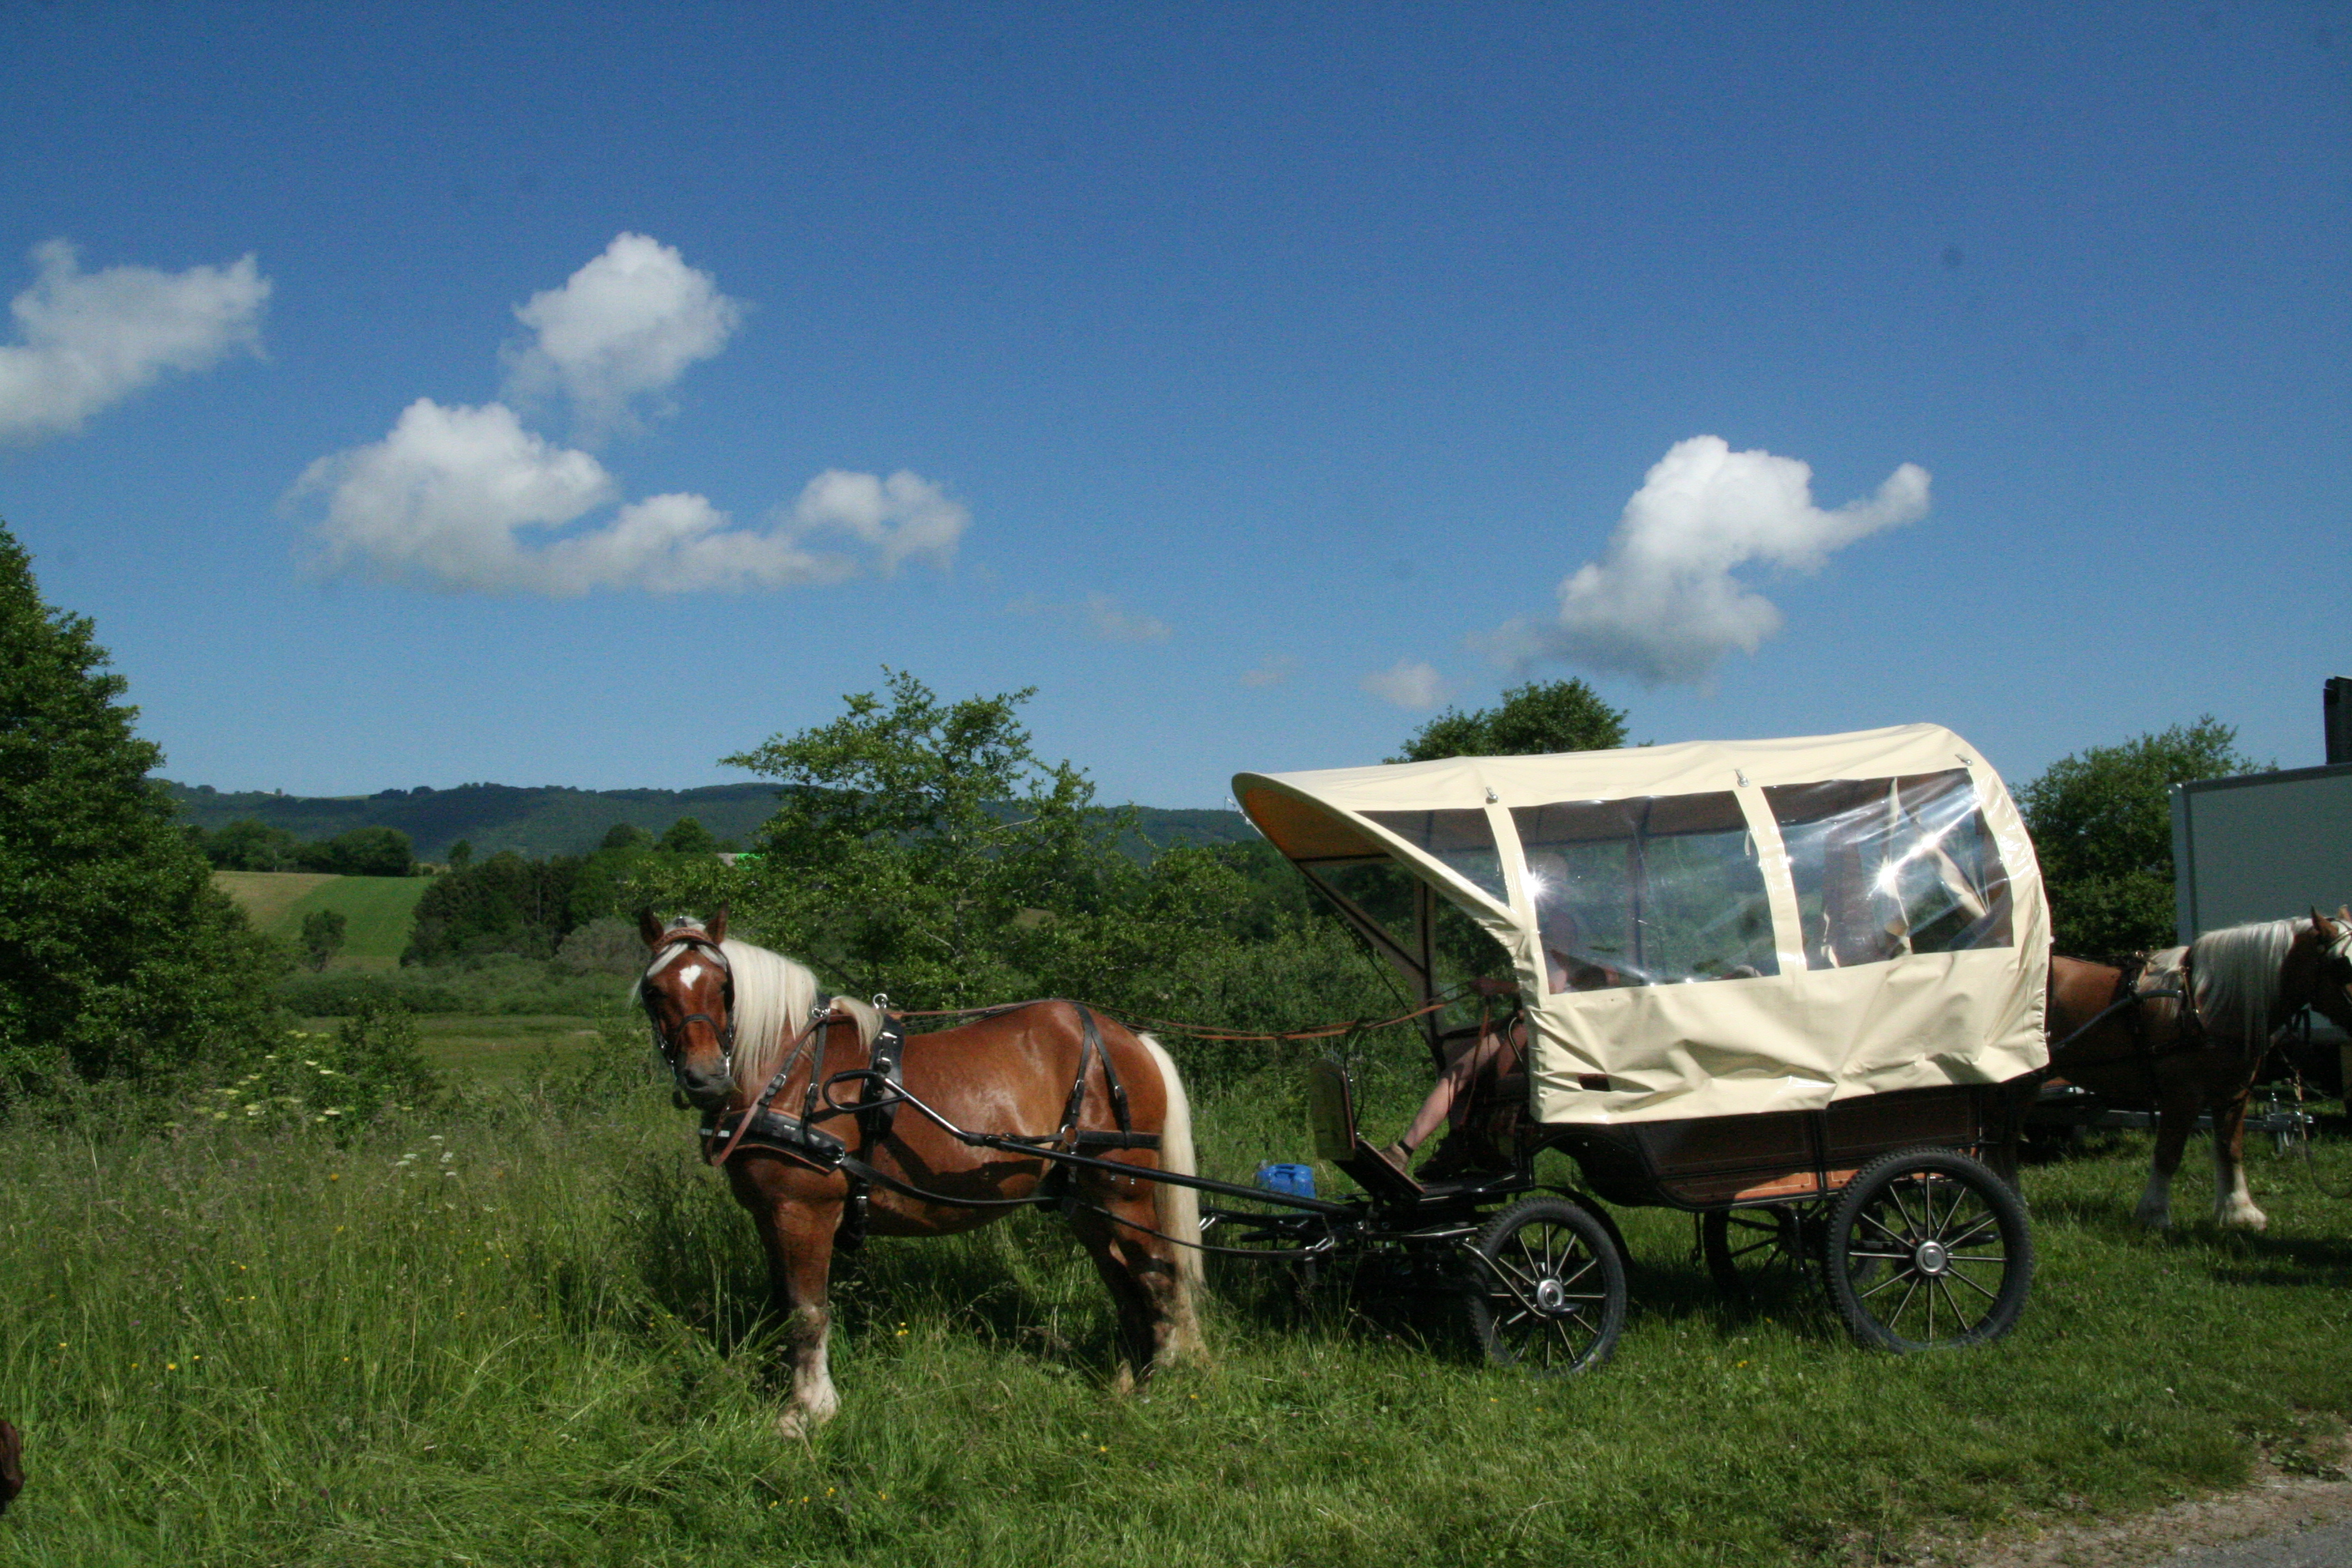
x: 799, y: 1426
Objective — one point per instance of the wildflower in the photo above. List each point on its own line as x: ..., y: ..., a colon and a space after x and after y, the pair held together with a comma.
x: 334, y: 1175
x: 171, y: 1366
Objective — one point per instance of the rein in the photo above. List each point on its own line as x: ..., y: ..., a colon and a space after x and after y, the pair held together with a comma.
x: 1194, y: 1031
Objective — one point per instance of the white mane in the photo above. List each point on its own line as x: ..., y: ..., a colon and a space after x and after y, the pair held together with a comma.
x: 2237, y: 971
x: 773, y: 998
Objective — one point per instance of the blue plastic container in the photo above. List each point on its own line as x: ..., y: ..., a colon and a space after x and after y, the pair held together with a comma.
x: 1297, y: 1181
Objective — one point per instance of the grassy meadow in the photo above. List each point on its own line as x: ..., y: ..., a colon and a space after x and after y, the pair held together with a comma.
x: 524, y: 1331
x: 378, y: 909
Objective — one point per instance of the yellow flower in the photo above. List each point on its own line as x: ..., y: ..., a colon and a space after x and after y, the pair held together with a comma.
x: 171, y: 1366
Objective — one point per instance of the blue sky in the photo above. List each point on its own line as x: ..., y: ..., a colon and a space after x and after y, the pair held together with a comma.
x: 1249, y: 374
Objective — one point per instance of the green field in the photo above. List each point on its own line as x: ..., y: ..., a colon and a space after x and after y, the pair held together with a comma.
x: 379, y: 909
x: 497, y: 1050
x: 523, y: 1331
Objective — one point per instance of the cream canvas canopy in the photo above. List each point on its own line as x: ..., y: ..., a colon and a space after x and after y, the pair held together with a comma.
x: 1708, y: 929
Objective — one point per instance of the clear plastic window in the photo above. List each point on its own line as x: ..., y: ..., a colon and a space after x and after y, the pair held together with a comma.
x: 1659, y: 891
x: 1889, y: 867
x: 1462, y: 839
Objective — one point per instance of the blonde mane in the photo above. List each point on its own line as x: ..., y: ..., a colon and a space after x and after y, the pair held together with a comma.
x: 773, y: 998
x: 2237, y: 971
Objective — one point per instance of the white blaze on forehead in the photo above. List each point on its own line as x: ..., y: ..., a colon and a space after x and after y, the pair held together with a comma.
x: 690, y: 975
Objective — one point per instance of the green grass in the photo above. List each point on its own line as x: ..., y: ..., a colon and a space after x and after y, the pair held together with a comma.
x: 524, y: 1333
x: 495, y: 1049
x: 378, y: 909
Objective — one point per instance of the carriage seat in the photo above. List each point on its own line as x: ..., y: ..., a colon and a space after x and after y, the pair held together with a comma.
x: 1332, y: 1113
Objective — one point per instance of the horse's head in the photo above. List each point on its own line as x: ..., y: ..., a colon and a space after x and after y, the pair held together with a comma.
x: 688, y: 993
x: 2329, y: 985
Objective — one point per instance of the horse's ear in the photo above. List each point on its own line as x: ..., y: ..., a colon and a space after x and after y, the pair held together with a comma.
x: 716, y: 925
x: 649, y: 928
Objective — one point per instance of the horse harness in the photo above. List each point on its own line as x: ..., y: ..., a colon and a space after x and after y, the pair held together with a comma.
x: 881, y: 1091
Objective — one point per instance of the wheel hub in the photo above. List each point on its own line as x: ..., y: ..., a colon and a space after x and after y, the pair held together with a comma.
x: 1551, y: 1298
x: 1931, y: 1258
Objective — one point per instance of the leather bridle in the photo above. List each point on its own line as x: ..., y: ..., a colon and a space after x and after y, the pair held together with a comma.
x: 671, y: 1043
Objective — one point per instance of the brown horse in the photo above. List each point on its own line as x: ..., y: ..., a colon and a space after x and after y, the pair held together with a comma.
x: 742, y: 1027
x: 11, y: 1466
x: 2176, y: 1056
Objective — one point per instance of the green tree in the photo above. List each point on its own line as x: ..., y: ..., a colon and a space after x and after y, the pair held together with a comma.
x: 323, y: 935
x: 626, y: 836
x: 361, y: 852
x: 505, y: 904
x: 248, y: 845
x: 117, y: 955
x: 924, y: 847
x: 461, y: 854
x: 1540, y: 716
x: 687, y: 836
x: 2102, y: 826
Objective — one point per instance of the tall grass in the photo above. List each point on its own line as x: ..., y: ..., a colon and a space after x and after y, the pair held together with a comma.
x: 526, y: 1332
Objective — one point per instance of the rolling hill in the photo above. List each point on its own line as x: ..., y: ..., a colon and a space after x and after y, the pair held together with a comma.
x: 555, y: 820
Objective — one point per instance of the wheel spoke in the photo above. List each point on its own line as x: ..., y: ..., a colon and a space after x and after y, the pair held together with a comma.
x: 1991, y: 1221
x: 1904, y: 1305
x: 1972, y: 1284
x: 1890, y: 1279
x: 1961, y: 1323
x: 1868, y: 1218
x: 1895, y: 1197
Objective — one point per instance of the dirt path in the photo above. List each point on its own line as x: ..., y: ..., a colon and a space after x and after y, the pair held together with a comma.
x: 2280, y: 1520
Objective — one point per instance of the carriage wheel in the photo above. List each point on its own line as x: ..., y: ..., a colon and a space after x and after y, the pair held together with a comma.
x: 1928, y: 1248
x: 1552, y: 1293
x: 1751, y: 1253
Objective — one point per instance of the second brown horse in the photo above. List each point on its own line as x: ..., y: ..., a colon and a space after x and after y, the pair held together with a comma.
x: 2199, y: 1052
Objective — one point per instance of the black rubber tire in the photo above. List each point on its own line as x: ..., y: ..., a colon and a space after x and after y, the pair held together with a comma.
x: 1922, y: 1229
x: 1754, y: 1252
x: 1550, y: 1295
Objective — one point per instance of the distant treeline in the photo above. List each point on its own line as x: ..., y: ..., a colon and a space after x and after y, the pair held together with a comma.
x: 251, y: 845
x: 545, y: 821
x: 510, y: 904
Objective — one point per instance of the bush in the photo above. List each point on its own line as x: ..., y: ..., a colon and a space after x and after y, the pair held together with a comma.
x: 371, y: 1066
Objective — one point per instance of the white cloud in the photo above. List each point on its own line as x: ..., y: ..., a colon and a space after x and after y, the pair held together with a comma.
x: 1409, y: 684
x: 445, y: 498
x: 467, y: 499
x: 1661, y: 604
x: 1098, y: 616
x: 1272, y: 670
x: 94, y: 338
x: 901, y: 517
x: 625, y: 325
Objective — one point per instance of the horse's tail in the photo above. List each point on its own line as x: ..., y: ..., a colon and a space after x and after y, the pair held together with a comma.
x: 1179, y: 1207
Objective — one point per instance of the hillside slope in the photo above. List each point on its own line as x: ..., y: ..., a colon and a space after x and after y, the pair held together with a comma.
x: 378, y: 909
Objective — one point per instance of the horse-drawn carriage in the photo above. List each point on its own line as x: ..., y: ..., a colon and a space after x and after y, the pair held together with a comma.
x: 1794, y: 987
